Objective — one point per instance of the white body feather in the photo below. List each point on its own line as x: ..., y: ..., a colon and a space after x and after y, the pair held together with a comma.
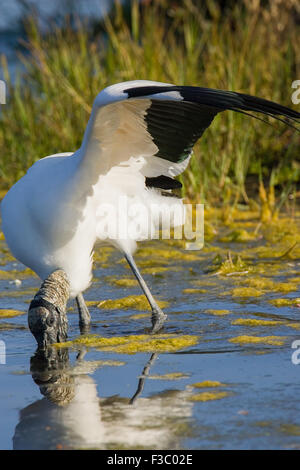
x: 51, y: 216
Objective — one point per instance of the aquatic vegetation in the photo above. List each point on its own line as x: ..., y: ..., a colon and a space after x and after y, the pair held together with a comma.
x: 138, y: 316
x: 259, y: 283
x: 171, y: 376
x: 7, y: 275
x: 295, y: 279
x: 290, y: 428
x: 284, y: 232
x: 123, y: 282
x: 238, y: 236
x: 210, y: 231
x: 194, y: 291
x: 208, y: 383
x: 136, y: 302
x: 231, y: 265
x: 11, y: 326
x: 8, y: 313
x: 14, y: 274
x: 134, y: 343
x: 245, y: 292
x: 268, y: 212
x: 166, y: 254
x: 204, y: 282
x: 285, y: 302
x: 170, y: 344
x: 28, y: 292
x: 102, y: 254
x: 296, y: 326
x: 254, y: 322
x: 156, y: 270
x: 208, y: 396
x: 268, y: 285
x: 90, y: 366
x: 272, y: 340
x: 217, y: 312
x: 92, y: 303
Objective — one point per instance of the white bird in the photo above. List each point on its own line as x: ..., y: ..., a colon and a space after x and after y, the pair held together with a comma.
x: 139, y: 136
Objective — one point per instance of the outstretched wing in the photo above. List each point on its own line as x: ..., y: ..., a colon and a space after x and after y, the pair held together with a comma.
x: 155, y: 125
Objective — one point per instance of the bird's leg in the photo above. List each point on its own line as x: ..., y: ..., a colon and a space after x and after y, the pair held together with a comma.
x: 143, y: 377
x: 84, y: 314
x: 158, y: 316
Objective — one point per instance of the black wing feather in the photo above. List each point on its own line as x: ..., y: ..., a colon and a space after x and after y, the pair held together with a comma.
x: 175, y: 126
x: 162, y: 182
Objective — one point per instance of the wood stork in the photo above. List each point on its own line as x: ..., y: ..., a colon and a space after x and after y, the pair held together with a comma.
x: 140, y: 135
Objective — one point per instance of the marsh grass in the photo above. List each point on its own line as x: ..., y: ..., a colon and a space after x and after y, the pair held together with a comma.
x: 249, y: 48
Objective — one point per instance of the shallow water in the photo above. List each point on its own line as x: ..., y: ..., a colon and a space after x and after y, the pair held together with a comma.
x: 70, y: 401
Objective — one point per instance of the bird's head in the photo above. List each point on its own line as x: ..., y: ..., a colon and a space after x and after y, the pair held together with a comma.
x: 47, y: 323
x: 47, y: 319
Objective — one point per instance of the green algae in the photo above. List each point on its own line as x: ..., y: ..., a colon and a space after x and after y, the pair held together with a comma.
x: 11, y: 326
x: 99, y: 363
x: 136, y: 302
x: 29, y: 292
x: 245, y: 292
x: 170, y: 376
x: 289, y: 429
x: 285, y: 302
x: 209, y: 396
x: 266, y: 284
x: 7, y: 275
x: 238, y: 236
x: 194, y: 291
x: 210, y: 231
x: 208, y: 384
x: 102, y: 254
x: 284, y: 231
x: 138, y: 316
x: 92, y: 303
x: 14, y: 274
x: 257, y: 323
x: 134, y: 343
x: 155, y: 270
x: 204, y: 282
x: 9, y: 313
x: 254, y: 322
x: 147, y: 263
x: 259, y: 283
x: 158, y: 345
x: 230, y: 265
x: 166, y: 254
x: 271, y: 340
x: 217, y: 312
x: 123, y: 282
x: 295, y: 279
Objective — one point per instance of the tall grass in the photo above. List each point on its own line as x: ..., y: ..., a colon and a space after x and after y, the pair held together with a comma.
x: 248, y: 48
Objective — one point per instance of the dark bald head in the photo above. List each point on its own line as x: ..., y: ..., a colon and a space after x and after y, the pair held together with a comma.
x: 47, y: 319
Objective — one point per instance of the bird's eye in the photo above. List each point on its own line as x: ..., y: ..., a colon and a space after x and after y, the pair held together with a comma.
x: 50, y: 319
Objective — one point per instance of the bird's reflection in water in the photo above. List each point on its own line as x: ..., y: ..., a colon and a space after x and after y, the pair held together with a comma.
x: 72, y: 416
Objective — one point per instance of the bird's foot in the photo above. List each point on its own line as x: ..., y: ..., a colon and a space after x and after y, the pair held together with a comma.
x: 158, y: 318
